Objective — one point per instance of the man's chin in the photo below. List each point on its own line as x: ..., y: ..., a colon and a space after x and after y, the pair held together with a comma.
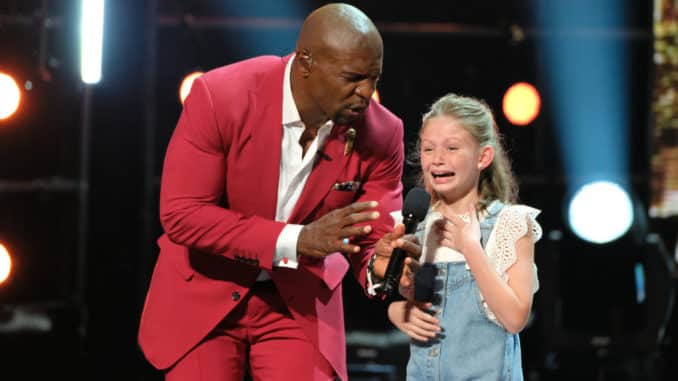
x: 346, y: 119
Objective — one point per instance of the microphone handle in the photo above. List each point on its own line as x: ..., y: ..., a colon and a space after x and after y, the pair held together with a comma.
x: 394, y: 270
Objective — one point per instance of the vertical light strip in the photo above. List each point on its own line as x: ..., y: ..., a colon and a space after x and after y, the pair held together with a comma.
x: 91, y: 40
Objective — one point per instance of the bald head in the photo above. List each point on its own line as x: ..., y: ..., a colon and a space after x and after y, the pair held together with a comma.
x: 337, y: 65
x: 338, y: 27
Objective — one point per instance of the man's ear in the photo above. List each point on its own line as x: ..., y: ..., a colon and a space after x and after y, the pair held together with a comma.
x: 305, y: 61
x: 486, y: 157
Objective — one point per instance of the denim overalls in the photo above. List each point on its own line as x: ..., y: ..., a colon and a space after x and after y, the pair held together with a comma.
x: 471, y: 346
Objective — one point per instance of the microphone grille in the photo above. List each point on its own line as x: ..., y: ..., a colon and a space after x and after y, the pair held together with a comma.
x: 416, y: 203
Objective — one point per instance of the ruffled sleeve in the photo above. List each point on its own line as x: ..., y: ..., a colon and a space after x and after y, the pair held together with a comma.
x: 513, y: 223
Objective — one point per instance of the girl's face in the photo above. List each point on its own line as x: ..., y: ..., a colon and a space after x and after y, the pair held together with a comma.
x: 451, y: 158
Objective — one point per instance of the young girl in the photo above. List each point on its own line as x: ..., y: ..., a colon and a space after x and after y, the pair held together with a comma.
x: 481, y: 246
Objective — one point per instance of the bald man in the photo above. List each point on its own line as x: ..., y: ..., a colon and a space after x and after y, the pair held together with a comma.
x: 278, y: 179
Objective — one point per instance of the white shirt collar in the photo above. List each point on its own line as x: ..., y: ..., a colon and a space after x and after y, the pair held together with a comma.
x: 290, y: 114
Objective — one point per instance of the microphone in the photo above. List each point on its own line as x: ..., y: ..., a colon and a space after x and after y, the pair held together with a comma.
x: 424, y: 282
x: 415, y: 208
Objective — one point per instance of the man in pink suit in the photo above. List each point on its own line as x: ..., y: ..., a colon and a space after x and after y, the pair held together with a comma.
x: 279, y: 177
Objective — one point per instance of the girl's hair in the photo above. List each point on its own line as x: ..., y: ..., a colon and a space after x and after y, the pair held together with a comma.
x: 496, y: 181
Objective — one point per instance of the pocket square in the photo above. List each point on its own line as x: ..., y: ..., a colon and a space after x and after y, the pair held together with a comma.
x: 346, y: 186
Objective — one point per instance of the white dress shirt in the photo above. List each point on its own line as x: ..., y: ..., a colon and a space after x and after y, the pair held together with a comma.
x: 295, y: 167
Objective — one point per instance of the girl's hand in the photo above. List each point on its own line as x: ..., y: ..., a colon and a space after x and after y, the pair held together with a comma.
x: 458, y: 232
x: 406, y: 287
x: 413, y: 320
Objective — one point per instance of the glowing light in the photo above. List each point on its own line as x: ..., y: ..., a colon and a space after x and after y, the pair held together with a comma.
x: 10, y: 96
x: 376, y: 97
x: 5, y: 264
x: 186, y: 85
x: 521, y: 103
x: 91, y: 40
x: 600, y: 212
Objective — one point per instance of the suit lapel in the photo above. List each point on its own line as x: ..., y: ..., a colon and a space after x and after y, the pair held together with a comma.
x: 266, y: 137
x: 269, y: 166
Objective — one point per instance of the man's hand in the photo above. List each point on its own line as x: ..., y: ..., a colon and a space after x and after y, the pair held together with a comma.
x: 384, y: 249
x: 326, y: 235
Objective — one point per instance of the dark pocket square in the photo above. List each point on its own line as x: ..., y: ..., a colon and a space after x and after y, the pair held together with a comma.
x: 347, y: 186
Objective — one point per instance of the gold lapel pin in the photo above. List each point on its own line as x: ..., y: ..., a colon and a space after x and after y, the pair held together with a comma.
x: 350, y: 140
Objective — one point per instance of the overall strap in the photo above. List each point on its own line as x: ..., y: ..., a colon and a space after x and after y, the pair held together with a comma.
x: 487, y: 224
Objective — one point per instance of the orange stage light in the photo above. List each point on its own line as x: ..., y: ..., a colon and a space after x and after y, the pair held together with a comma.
x: 5, y: 264
x: 186, y: 84
x: 375, y: 96
x: 521, y: 103
x: 10, y: 96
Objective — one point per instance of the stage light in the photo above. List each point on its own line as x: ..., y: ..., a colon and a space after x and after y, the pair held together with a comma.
x: 521, y: 103
x: 600, y: 212
x: 376, y: 97
x: 10, y: 96
x: 91, y: 40
x: 186, y: 85
x: 5, y: 264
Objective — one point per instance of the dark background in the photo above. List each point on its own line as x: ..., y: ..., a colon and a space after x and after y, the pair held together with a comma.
x: 94, y: 300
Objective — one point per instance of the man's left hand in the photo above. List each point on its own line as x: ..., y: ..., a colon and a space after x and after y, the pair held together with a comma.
x: 385, y: 247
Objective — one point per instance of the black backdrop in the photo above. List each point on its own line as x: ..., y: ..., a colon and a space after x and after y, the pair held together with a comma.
x: 476, y: 48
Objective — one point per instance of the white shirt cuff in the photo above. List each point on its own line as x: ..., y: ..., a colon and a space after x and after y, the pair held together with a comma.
x: 286, y: 247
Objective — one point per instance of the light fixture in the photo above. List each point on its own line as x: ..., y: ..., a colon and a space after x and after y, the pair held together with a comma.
x: 600, y: 212
x: 5, y: 264
x: 375, y: 96
x: 91, y: 40
x: 10, y: 96
x: 521, y: 103
x: 186, y: 84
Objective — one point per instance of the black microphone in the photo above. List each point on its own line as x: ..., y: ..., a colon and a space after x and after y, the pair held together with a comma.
x: 415, y: 208
x: 424, y: 282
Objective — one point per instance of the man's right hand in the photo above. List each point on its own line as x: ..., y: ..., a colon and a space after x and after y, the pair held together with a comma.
x: 326, y: 235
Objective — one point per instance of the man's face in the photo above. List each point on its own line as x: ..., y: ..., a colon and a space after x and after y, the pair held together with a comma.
x: 341, y: 83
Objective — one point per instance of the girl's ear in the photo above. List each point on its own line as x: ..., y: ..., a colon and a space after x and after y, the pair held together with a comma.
x: 485, y: 158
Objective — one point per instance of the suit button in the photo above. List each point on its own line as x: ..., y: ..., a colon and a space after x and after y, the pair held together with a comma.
x: 235, y: 296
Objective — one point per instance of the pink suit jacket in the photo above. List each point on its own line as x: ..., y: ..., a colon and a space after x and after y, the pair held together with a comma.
x: 218, y: 202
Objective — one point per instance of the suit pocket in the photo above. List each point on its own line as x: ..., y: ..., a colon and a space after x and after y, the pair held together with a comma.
x: 176, y: 256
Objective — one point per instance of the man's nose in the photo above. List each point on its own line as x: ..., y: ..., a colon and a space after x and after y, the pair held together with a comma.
x: 365, y: 89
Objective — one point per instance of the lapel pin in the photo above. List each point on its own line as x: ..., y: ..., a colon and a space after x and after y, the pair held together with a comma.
x: 350, y: 140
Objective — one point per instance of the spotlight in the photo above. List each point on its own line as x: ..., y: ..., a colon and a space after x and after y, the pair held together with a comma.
x: 5, y: 264
x: 600, y: 212
x: 521, y: 103
x: 186, y: 84
x: 10, y: 96
x: 91, y: 40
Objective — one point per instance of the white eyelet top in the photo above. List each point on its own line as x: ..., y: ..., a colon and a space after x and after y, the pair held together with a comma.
x: 513, y: 223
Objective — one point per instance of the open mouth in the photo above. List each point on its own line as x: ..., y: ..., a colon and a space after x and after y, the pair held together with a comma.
x: 438, y: 175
